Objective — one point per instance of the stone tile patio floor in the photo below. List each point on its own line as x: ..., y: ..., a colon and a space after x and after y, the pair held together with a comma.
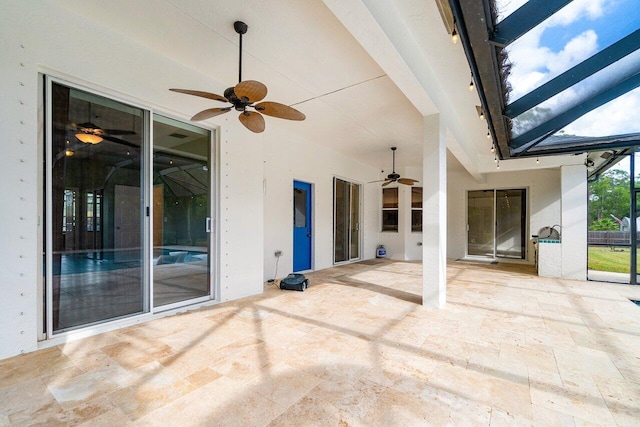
x: 356, y: 348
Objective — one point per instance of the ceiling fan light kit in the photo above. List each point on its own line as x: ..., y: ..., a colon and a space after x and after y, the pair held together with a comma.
x: 89, y: 138
x: 244, y: 97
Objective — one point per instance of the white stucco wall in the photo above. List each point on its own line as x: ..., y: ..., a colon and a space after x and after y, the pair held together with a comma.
x: 256, y: 172
x: 543, y: 191
x: 401, y: 245
x: 287, y: 159
x: 84, y: 52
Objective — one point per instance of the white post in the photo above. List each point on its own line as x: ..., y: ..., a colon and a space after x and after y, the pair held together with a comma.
x: 434, y: 213
x: 574, y: 222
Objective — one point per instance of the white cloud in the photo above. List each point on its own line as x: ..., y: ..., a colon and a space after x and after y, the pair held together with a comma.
x: 534, y: 65
x: 577, y: 50
x: 617, y: 117
x: 577, y: 9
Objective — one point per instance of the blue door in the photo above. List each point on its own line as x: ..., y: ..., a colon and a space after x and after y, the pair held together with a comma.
x: 302, y: 230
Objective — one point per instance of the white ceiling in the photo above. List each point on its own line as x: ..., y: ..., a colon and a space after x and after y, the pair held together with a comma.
x: 305, y: 56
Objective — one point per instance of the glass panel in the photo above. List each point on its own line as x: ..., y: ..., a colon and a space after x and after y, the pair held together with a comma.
x: 608, y: 237
x: 416, y: 197
x: 299, y: 207
x: 355, y: 221
x: 390, y: 198
x: 181, y: 211
x: 510, y: 226
x: 612, y: 118
x: 636, y: 167
x: 637, y: 240
x: 480, y: 223
x: 341, y: 220
x: 97, y: 198
x: 505, y: 8
x: 416, y: 212
x: 416, y: 220
x: 573, y: 34
x: 390, y: 220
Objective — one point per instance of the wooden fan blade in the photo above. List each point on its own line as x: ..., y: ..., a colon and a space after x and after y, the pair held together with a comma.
x: 252, y: 121
x: 208, y: 113
x: 202, y: 94
x: 252, y: 90
x: 387, y: 183
x: 373, y: 182
x: 407, y: 181
x: 281, y: 111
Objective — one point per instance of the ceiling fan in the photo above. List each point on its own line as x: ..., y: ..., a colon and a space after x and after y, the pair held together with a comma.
x: 244, y: 95
x: 393, y: 176
x: 90, y: 133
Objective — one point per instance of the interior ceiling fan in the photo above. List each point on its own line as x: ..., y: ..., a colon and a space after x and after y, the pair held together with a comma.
x: 243, y: 96
x: 393, y: 176
x: 90, y: 133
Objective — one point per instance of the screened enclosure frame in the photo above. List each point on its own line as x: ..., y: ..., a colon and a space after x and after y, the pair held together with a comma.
x: 487, y: 40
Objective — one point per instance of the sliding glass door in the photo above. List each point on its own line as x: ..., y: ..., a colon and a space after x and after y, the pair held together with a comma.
x: 96, y: 204
x: 181, y: 211
x: 480, y: 223
x: 346, y: 220
x: 128, y: 218
x: 496, y: 223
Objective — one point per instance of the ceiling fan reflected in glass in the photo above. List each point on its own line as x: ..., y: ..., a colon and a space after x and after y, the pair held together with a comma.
x: 90, y: 133
x: 243, y: 98
x: 395, y: 177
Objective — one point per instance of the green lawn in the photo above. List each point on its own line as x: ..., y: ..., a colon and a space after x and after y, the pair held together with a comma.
x: 605, y: 259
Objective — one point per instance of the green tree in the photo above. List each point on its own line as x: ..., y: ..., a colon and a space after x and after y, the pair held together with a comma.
x: 604, y: 224
x: 608, y: 196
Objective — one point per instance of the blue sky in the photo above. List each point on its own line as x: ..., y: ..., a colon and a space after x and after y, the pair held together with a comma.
x: 619, y: 19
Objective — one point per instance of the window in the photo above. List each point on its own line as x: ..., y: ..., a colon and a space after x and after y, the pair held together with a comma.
x: 390, y: 209
x: 416, y: 209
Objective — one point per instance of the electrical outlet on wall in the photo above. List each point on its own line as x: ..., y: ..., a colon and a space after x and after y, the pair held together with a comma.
x: 277, y: 253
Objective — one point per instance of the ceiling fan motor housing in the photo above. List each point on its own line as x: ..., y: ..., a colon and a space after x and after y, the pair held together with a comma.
x: 239, y: 104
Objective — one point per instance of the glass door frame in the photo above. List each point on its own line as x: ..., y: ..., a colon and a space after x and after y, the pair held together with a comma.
x: 348, y: 215
x: 45, y: 317
x: 525, y: 224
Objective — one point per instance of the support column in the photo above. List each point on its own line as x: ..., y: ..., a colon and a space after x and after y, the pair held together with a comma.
x: 574, y: 221
x: 434, y: 213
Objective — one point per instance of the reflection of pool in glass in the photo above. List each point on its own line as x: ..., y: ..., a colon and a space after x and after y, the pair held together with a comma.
x: 82, y: 263
x: 172, y: 256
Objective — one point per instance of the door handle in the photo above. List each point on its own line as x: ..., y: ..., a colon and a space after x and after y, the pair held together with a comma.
x: 208, y: 224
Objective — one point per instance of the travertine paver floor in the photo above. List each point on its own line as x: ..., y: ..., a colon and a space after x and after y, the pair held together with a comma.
x: 356, y: 348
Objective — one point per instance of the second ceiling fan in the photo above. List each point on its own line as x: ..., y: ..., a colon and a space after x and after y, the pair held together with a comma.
x: 243, y: 98
x: 395, y: 177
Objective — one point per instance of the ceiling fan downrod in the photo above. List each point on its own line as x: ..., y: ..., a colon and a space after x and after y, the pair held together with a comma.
x: 393, y: 150
x: 241, y: 28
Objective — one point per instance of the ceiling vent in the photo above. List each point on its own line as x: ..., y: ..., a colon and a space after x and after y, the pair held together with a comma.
x: 178, y: 135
